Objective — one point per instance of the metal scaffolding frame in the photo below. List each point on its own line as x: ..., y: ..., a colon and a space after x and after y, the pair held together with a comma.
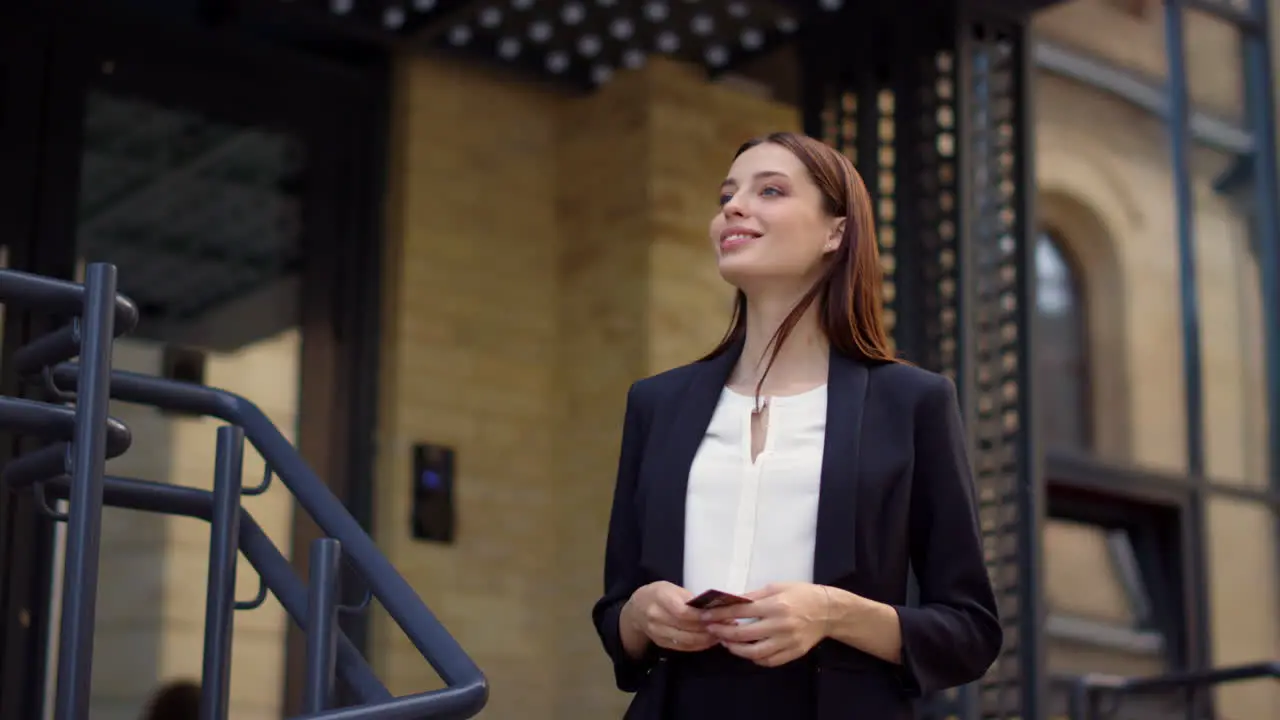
x: 1258, y: 159
x: 1253, y: 25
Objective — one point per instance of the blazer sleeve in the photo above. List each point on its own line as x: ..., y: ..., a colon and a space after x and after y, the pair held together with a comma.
x: 622, y: 573
x: 954, y: 635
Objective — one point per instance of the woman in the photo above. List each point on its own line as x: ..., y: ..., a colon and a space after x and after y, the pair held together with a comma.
x: 801, y: 466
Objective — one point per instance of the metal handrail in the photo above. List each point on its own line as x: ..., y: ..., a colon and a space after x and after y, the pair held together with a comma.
x: 1082, y: 704
x: 64, y: 298
x: 73, y: 469
x: 276, y: 572
x: 469, y: 689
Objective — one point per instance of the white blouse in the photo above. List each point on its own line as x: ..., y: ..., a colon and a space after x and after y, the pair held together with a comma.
x: 748, y: 524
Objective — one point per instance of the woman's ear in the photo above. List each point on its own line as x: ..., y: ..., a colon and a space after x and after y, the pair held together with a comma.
x: 834, y: 236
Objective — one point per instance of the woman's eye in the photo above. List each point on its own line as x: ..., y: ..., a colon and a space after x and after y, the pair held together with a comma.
x: 725, y: 198
x: 771, y: 191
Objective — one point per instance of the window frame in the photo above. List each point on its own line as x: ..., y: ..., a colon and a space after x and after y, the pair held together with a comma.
x: 1153, y: 511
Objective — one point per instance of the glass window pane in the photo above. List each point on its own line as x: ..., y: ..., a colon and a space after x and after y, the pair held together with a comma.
x: 1061, y: 350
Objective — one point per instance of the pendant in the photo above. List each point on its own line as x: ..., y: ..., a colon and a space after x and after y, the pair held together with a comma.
x: 762, y: 404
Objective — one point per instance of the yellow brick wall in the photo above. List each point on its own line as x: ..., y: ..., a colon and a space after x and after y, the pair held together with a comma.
x: 470, y: 342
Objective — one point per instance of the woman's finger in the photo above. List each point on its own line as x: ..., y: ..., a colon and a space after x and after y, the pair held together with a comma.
x: 731, y: 612
x: 782, y: 657
x: 682, y: 612
x: 684, y: 622
x: 674, y: 638
x: 754, y: 651
x: 746, y: 632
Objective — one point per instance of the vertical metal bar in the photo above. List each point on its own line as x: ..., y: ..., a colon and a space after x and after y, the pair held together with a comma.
x: 1080, y: 701
x: 966, y: 293
x: 220, y: 595
x: 1031, y: 500
x: 1259, y: 103
x: 84, y: 521
x: 322, y: 623
x: 1179, y: 134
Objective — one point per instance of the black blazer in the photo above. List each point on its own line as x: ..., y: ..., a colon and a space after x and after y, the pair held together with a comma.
x: 896, y: 491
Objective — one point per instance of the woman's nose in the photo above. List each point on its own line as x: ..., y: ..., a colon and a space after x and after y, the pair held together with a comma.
x: 734, y: 208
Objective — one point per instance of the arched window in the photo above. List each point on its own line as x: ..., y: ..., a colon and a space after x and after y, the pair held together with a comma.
x: 1061, y: 352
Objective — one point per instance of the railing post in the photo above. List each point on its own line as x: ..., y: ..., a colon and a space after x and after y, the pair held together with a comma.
x: 224, y: 539
x: 84, y: 520
x: 1080, y: 701
x: 322, y: 623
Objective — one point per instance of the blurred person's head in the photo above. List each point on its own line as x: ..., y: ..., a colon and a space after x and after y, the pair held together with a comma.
x: 179, y: 700
x: 795, y: 227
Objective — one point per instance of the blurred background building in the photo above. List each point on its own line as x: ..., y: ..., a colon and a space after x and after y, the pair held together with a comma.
x: 473, y: 224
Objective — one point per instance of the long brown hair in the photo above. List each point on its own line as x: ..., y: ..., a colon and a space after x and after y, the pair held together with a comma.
x: 850, y: 310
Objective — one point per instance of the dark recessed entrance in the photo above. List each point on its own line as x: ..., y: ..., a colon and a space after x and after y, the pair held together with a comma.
x: 234, y: 179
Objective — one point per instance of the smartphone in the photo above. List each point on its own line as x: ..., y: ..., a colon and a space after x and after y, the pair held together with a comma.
x: 716, y: 598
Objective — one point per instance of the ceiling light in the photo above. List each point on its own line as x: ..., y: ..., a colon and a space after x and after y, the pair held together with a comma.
x: 540, y: 31
x: 572, y: 13
x: 509, y: 47
x: 633, y: 58
x: 490, y: 17
x: 557, y: 62
x: 620, y: 28
x: 589, y: 46
x: 460, y: 35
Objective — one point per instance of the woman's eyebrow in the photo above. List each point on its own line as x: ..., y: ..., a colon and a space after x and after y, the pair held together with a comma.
x: 762, y: 175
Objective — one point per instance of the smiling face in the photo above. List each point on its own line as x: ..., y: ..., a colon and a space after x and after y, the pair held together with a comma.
x: 773, y: 226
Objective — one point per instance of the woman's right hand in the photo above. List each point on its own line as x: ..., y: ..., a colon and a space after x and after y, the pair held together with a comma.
x: 659, y: 612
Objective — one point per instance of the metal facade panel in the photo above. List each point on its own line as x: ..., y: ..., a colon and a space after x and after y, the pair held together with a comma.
x: 936, y: 119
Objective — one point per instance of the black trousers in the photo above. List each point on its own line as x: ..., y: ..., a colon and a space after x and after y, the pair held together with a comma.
x: 716, y: 684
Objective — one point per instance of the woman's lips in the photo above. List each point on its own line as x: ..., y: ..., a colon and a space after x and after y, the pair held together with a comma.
x: 735, y: 241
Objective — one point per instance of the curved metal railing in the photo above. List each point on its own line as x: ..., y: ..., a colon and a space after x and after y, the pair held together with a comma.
x: 72, y: 467
x: 1088, y: 693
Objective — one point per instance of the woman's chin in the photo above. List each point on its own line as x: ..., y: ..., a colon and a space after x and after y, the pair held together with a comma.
x: 738, y: 268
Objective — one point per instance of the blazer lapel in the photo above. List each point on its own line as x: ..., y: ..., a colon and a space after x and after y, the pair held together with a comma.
x: 834, y: 552
x: 663, y: 551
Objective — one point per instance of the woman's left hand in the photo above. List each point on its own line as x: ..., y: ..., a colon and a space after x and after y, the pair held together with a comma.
x: 790, y: 618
